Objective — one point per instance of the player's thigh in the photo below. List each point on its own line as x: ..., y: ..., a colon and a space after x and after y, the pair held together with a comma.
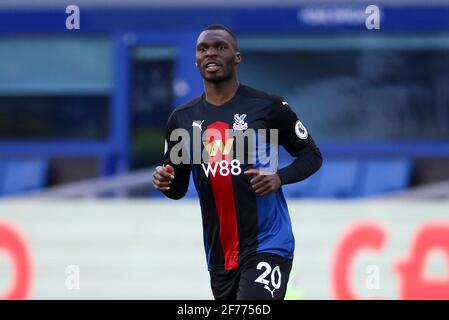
x: 264, y: 277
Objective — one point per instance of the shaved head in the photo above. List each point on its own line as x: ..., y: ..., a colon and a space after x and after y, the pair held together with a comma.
x: 217, y: 26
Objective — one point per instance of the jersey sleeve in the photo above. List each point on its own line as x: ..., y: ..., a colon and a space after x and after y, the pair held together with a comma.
x: 180, y: 184
x: 296, y: 139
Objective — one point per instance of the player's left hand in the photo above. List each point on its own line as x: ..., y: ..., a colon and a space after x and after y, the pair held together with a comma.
x: 263, y: 183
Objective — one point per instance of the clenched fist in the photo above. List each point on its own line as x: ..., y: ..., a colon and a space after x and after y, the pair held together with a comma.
x: 263, y: 184
x: 162, y: 177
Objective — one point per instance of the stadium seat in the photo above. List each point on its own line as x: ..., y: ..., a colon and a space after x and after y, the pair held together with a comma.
x: 302, y: 189
x: 3, y: 168
x: 337, y: 178
x: 385, y: 175
x: 22, y: 175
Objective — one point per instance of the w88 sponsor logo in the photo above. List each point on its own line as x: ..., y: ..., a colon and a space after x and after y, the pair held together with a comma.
x: 223, y: 168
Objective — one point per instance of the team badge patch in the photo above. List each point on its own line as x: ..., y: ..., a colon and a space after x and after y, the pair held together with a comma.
x: 300, y: 130
x: 239, y: 122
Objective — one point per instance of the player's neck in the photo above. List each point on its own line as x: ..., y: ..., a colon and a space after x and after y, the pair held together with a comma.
x: 218, y: 93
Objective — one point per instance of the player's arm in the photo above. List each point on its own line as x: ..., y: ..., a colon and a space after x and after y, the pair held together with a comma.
x: 295, y: 138
x: 172, y: 178
x: 298, y: 142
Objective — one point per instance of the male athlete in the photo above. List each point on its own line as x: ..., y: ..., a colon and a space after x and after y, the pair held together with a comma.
x: 248, y: 236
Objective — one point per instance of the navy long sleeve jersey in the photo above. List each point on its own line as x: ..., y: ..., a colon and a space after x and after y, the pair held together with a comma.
x: 236, y: 221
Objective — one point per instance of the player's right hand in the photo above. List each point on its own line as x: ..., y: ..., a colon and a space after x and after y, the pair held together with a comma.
x: 162, y: 177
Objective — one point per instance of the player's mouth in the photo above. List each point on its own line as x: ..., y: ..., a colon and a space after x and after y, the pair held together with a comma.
x: 212, y: 66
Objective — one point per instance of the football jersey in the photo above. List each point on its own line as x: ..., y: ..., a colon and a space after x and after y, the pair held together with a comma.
x: 217, y: 144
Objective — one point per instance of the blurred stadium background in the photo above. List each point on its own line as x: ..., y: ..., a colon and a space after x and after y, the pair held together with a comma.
x: 82, y: 116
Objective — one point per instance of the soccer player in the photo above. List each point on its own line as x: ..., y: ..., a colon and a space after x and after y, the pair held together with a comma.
x: 247, y: 231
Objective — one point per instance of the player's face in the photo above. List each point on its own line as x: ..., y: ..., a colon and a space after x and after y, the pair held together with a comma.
x: 216, y: 55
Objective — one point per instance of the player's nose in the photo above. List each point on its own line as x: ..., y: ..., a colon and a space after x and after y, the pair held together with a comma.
x: 211, y: 52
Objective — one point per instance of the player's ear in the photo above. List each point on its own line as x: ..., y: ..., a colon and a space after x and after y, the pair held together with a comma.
x: 238, y: 57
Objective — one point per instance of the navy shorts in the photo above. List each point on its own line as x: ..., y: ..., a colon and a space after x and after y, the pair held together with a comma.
x: 260, y: 276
